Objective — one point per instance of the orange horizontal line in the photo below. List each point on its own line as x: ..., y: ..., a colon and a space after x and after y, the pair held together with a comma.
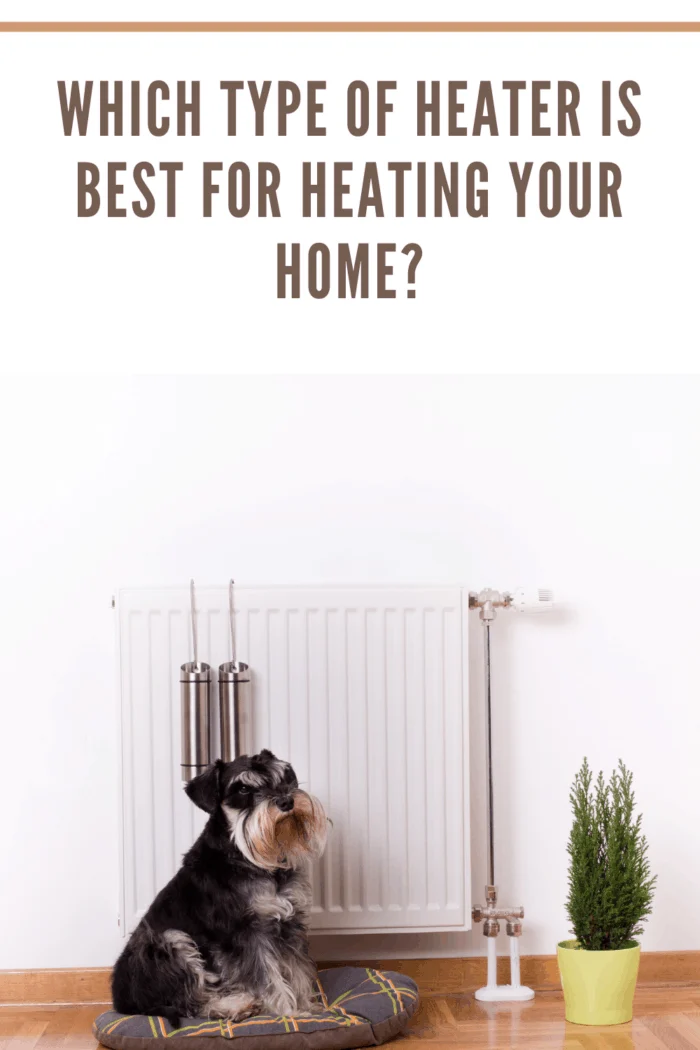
x: 349, y: 27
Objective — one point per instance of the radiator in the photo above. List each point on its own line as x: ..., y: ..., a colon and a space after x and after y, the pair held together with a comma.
x: 364, y: 690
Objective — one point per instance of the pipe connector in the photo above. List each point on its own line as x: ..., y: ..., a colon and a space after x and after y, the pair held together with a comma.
x: 514, y: 928
x: 502, y: 913
x: 492, y: 927
x: 487, y: 601
x: 479, y: 913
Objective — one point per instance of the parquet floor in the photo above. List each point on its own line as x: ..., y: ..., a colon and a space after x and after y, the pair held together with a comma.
x: 665, y: 1019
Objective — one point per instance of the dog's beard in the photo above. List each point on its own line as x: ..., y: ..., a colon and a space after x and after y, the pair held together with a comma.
x: 271, y: 838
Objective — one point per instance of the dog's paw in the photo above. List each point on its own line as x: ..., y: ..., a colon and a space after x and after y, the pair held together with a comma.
x: 312, y: 1009
x: 235, y: 1007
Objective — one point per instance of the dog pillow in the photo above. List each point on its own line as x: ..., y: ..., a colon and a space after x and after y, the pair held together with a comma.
x: 362, y: 1007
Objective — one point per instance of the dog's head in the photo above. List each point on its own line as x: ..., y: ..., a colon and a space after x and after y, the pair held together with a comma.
x: 272, y: 821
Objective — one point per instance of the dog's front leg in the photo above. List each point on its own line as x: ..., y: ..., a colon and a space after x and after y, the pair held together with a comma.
x: 291, y: 986
x: 303, y: 981
x: 307, y: 997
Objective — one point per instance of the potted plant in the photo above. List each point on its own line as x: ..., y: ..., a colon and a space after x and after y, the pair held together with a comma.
x: 610, y: 894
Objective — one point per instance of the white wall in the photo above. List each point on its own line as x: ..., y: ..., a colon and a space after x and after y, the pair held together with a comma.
x: 588, y: 485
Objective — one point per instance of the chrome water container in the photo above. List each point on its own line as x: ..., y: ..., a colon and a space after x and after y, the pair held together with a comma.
x: 195, y: 706
x: 195, y: 701
x: 234, y: 707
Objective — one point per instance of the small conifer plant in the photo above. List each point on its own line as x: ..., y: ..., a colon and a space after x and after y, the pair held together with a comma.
x: 611, y: 887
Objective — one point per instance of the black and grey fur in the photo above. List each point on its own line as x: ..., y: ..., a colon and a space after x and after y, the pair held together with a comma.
x: 227, y: 936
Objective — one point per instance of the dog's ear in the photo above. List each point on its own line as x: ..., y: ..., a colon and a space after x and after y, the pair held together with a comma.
x: 267, y: 755
x: 205, y: 790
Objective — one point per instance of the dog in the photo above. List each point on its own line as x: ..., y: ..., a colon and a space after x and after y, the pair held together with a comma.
x: 227, y: 936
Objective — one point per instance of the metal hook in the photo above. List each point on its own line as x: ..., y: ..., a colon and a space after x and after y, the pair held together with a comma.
x: 193, y: 613
x: 232, y: 620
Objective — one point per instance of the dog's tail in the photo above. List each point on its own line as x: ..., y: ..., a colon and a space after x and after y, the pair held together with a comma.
x: 160, y: 973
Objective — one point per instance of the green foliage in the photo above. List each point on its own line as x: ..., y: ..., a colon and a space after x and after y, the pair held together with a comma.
x: 610, y: 884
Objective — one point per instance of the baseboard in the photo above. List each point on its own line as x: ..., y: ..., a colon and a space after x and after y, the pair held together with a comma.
x: 541, y: 972
x: 55, y: 986
x: 433, y: 976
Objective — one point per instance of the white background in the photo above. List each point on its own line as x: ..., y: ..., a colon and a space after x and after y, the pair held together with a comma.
x: 496, y: 294
x: 587, y: 485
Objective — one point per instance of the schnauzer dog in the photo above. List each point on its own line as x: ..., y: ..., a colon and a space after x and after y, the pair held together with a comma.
x: 226, y: 938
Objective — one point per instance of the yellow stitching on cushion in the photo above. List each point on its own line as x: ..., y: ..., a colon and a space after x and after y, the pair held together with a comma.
x: 318, y: 1019
x: 392, y: 985
x: 351, y: 1018
x: 283, y: 1019
x: 333, y: 1007
x: 342, y: 997
x: 113, y: 1024
x: 375, y: 979
x: 362, y: 995
x: 322, y: 990
x: 260, y: 1020
x: 186, y: 1028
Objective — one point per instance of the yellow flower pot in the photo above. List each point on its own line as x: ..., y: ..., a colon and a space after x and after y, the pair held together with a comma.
x: 598, y: 986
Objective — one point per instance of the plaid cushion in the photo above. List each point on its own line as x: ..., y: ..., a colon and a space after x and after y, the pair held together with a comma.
x: 362, y: 1007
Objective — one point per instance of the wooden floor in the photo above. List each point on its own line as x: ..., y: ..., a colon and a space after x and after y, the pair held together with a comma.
x: 665, y: 1018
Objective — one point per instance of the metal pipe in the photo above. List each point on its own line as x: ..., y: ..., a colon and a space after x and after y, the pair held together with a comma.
x: 487, y: 602
x: 193, y: 622
x: 232, y: 620
x: 491, y: 964
x: 514, y: 960
x: 491, y: 873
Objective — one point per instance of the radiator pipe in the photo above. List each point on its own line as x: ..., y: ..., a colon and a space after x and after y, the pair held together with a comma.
x: 487, y: 601
x: 491, y: 866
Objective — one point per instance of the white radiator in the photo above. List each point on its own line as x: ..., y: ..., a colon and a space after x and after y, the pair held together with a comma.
x: 364, y: 690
